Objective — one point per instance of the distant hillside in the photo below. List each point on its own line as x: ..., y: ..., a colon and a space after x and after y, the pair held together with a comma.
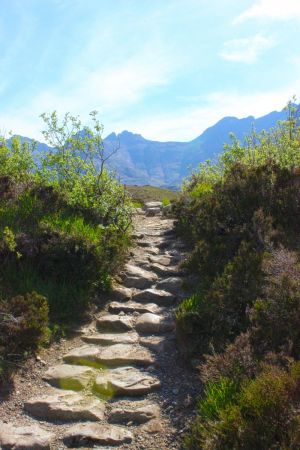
x: 140, y: 161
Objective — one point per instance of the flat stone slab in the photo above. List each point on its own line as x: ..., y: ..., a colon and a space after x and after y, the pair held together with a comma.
x: 163, y: 260
x: 131, y: 307
x: 30, y: 437
x: 136, y: 412
x: 121, y: 293
x: 113, y: 322
x: 163, y: 270
x: 110, y: 356
x: 154, y: 343
x: 152, y: 251
x: 125, y: 381
x: 153, y: 324
x: 153, y: 205
x: 86, y: 434
x: 66, y: 406
x: 111, y: 338
x: 153, y: 212
x: 72, y: 377
x: 137, y: 277
x: 152, y: 295
x: 171, y: 284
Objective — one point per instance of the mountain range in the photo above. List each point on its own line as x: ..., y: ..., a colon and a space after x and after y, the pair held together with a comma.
x: 141, y: 161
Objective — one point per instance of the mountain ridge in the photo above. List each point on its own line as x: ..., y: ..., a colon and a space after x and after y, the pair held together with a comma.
x: 141, y: 161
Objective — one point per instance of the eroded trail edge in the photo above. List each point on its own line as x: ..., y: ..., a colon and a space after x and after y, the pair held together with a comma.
x: 123, y: 382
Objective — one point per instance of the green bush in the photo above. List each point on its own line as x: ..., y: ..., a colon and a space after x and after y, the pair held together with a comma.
x: 262, y: 415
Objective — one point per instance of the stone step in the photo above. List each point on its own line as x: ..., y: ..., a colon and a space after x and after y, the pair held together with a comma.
x: 154, y: 343
x: 131, y: 307
x: 121, y: 293
x: 65, y: 376
x: 136, y: 412
x: 170, y: 284
x: 146, y: 244
x: 111, y: 338
x: 165, y: 271
x: 29, y: 437
x: 125, y: 381
x: 87, y: 434
x: 153, y: 324
x: 66, y: 406
x: 150, y: 212
x: 113, y: 322
x: 154, y: 204
x: 137, y: 277
x: 159, y: 297
x: 162, y: 260
x: 110, y: 356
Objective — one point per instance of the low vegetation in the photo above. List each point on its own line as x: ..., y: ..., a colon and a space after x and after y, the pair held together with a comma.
x: 65, y: 225
x: 241, y: 219
x: 142, y: 194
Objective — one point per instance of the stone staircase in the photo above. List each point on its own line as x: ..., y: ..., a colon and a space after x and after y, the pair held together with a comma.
x: 109, y: 390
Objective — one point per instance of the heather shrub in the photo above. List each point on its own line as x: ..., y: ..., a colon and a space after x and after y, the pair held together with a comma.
x: 262, y: 415
x: 240, y: 217
x: 236, y: 363
x: 24, y: 323
x: 275, y: 316
x: 211, y: 320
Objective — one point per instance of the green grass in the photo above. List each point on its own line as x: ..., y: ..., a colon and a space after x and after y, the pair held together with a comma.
x: 142, y: 194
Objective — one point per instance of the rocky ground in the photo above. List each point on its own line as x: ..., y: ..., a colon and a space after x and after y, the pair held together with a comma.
x: 122, y: 381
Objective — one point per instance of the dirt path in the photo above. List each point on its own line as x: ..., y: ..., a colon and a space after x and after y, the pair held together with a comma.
x: 122, y: 382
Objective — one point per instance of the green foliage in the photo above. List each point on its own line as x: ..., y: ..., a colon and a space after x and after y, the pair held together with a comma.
x: 262, y: 415
x: 65, y: 224
x: 217, y: 396
x: 241, y: 219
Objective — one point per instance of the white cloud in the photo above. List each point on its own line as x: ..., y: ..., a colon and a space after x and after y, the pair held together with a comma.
x: 188, y: 123
x: 106, y: 89
x: 271, y: 9
x: 246, y: 50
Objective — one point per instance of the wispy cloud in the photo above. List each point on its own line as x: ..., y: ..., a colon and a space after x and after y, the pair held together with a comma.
x: 107, y: 88
x: 246, y: 50
x: 271, y: 9
x: 189, y: 122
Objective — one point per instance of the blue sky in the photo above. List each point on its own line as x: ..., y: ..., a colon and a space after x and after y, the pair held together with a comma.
x: 166, y: 69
